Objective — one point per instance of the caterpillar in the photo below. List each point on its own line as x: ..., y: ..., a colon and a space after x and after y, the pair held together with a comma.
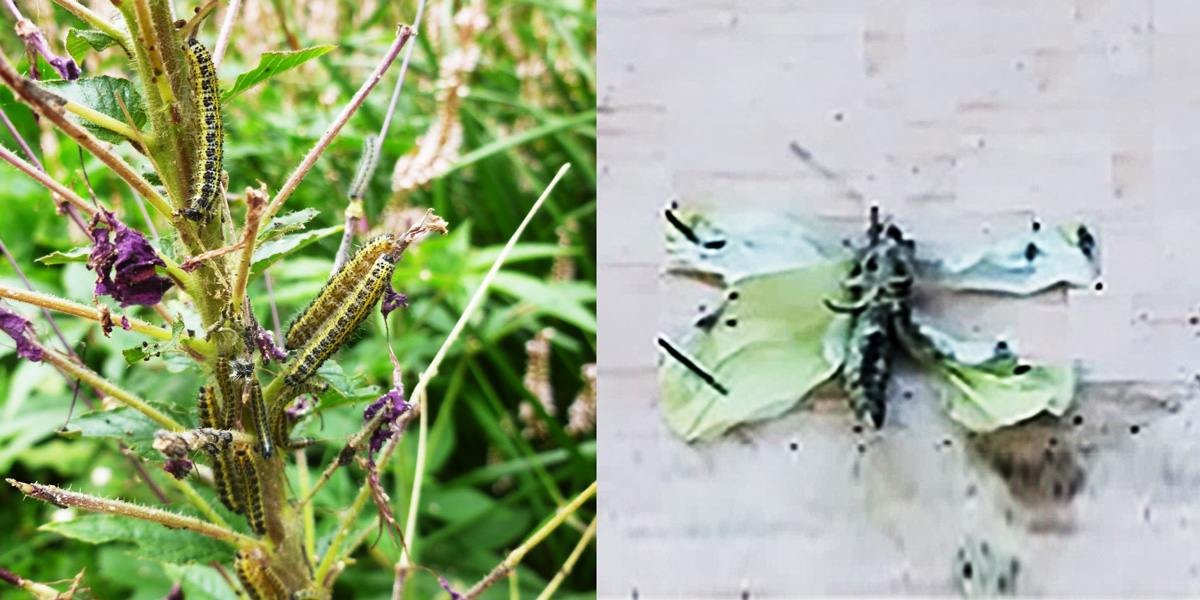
x: 258, y: 409
x: 229, y: 481
x: 230, y: 398
x: 281, y: 426
x: 337, y: 290
x: 206, y: 185
x: 210, y: 413
x: 259, y: 581
x: 366, y: 166
x: 342, y: 322
x: 253, y: 489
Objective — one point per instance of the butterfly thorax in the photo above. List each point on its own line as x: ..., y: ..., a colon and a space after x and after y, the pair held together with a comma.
x: 878, y: 288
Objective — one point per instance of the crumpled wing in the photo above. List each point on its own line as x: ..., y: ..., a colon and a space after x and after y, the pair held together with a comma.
x: 1023, y: 264
x: 988, y: 386
x: 729, y: 245
x: 754, y: 356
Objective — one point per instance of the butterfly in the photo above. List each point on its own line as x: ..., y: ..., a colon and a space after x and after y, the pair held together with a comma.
x: 795, y: 310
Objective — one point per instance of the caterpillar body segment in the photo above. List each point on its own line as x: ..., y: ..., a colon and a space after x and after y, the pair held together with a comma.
x: 229, y: 482
x: 206, y: 104
x: 259, y: 581
x: 210, y: 412
x: 366, y: 166
x: 258, y: 409
x: 337, y: 291
x: 230, y: 396
x: 253, y: 490
x: 339, y: 325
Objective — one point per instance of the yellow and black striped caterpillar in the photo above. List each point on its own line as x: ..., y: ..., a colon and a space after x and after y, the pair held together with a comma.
x: 339, y: 324
x: 253, y: 489
x: 206, y: 103
x: 337, y: 291
x: 258, y: 410
x: 259, y: 581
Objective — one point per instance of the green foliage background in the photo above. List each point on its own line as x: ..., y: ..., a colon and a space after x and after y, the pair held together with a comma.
x: 487, y: 486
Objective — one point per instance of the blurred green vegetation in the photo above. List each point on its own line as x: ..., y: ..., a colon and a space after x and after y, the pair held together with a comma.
x: 525, y: 107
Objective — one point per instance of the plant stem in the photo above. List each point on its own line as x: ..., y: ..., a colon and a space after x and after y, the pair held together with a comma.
x: 39, y: 591
x: 101, y: 119
x: 306, y: 510
x: 588, y: 534
x: 87, y: 312
x: 218, y: 53
x: 255, y: 201
x: 514, y: 558
x: 64, y: 498
x: 98, y: 22
x: 199, y: 502
x: 403, y: 33
x: 150, y: 39
x: 50, y: 106
x: 93, y: 379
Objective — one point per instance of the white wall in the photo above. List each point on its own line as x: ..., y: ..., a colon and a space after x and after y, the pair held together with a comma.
x: 963, y: 119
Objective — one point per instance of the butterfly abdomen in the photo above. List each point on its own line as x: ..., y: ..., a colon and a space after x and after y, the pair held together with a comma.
x: 868, y: 367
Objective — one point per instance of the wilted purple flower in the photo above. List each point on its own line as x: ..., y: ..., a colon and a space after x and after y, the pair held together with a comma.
x: 265, y: 342
x: 133, y: 258
x: 34, y: 38
x: 179, y: 468
x: 21, y: 331
x: 392, y: 300
x: 299, y: 408
x: 125, y: 323
x: 387, y: 428
x: 446, y: 586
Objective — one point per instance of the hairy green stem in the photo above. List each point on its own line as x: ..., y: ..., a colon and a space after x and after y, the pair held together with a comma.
x: 65, y: 498
x: 199, y: 502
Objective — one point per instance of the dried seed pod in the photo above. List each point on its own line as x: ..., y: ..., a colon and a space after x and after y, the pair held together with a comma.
x: 342, y: 321
x: 338, y: 291
x: 206, y: 103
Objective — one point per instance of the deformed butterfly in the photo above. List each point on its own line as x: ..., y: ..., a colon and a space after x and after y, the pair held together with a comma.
x: 795, y: 311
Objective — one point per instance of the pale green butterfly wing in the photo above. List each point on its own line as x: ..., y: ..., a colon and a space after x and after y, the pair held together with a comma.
x: 1024, y: 264
x: 731, y: 245
x: 987, y: 387
x: 754, y: 356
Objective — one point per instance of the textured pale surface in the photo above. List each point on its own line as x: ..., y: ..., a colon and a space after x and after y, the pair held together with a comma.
x: 960, y: 118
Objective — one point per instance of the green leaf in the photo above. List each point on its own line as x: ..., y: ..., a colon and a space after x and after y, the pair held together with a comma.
x: 147, y: 350
x: 78, y: 42
x: 152, y: 541
x: 512, y: 141
x: 76, y: 255
x: 483, y: 258
x: 344, y: 389
x: 271, y: 64
x: 286, y: 223
x: 456, y: 504
x: 269, y: 252
x: 122, y: 423
x: 558, y: 300
x: 100, y: 94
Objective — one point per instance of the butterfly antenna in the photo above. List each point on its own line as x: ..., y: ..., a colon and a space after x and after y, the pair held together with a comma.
x: 807, y: 158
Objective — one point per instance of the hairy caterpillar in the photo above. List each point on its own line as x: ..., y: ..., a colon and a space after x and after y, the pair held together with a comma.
x: 366, y: 166
x: 243, y: 369
x: 342, y: 322
x: 337, y: 291
x: 253, y: 489
x: 228, y: 479
x: 206, y: 185
x: 210, y: 413
x: 258, y: 409
x: 259, y: 581
x: 230, y: 398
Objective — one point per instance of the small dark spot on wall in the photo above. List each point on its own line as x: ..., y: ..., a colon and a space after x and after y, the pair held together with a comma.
x: 838, y: 116
x: 793, y: 446
x: 731, y: 322
x: 1001, y: 584
x: 1037, y: 226
x: 1077, y: 420
x: 858, y: 428
x: 745, y: 594
x: 862, y: 448
x: 916, y: 169
x: 734, y: 295
x: 1194, y: 320
x: 1134, y: 429
x: 1099, y: 286
x: 946, y: 442
x: 907, y: 394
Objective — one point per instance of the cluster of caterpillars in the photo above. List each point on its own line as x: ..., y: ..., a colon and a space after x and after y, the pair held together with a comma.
x: 261, y: 583
x: 206, y: 104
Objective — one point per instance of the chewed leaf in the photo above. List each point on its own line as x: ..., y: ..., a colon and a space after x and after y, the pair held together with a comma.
x: 1025, y: 264
x: 756, y: 355
x: 730, y: 245
x: 985, y: 400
